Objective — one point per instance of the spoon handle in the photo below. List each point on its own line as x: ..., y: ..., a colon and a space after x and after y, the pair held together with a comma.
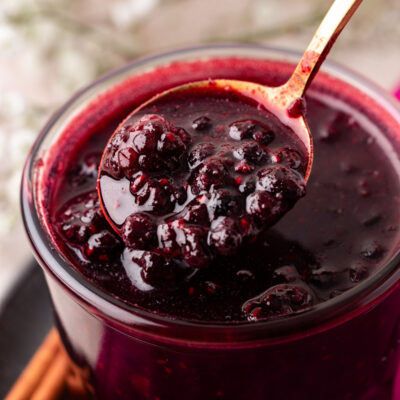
x: 321, y: 43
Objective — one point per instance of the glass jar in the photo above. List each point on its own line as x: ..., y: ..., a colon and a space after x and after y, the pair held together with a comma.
x: 343, y: 348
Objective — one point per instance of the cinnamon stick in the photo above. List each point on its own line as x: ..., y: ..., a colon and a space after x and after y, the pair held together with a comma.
x: 39, y: 371
x: 53, y: 382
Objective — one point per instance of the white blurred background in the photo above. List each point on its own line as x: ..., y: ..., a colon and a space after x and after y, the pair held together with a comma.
x: 51, y: 48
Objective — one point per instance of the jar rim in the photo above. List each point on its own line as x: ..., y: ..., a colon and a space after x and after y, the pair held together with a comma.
x: 128, y: 317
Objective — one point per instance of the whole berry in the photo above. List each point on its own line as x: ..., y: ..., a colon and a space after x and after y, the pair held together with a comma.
x: 264, y: 207
x: 103, y: 247
x: 199, y: 153
x: 282, y: 182
x: 202, y: 123
x: 211, y: 173
x: 225, y: 235
x: 139, y: 231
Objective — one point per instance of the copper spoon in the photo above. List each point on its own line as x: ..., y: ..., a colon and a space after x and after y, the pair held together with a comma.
x: 283, y: 101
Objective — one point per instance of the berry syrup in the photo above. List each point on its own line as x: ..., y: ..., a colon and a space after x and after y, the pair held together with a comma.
x: 341, y: 232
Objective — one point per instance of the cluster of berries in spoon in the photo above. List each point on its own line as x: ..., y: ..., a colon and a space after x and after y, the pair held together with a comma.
x: 182, y: 182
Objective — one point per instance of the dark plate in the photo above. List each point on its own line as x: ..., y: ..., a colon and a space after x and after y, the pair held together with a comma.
x: 25, y: 319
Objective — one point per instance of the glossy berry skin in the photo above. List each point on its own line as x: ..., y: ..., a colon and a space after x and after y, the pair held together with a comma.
x: 225, y: 235
x: 202, y: 123
x: 264, y: 207
x: 194, y: 247
x: 155, y: 270
x: 282, y: 182
x: 247, y: 129
x: 252, y: 152
x: 373, y: 250
x: 199, y: 153
x: 212, y: 173
x: 156, y: 195
x: 288, y: 157
x: 139, y: 232
x: 103, y: 246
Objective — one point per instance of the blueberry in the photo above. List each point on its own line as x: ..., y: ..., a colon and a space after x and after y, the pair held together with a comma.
x: 75, y: 233
x: 103, y: 247
x: 248, y: 129
x: 372, y: 251
x: 81, y: 217
x: 282, y: 182
x: 225, y: 236
x: 211, y: 173
x: 145, y: 142
x: 150, y: 123
x: 94, y: 219
x: 240, y: 130
x: 265, y: 207
x: 139, y: 232
x: 150, y: 162
x: 263, y: 135
x: 279, y: 300
x: 246, y: 187
x: 171, y: 147
x: 288, y: 157
x: 199, y: 153
x: 154, y: 198
x: 155, y: 269
x: 151, y: 144
x: 111, y: 166
x: 179, y: 194
x: 202, y: 123
x: 137, y: 182
x: 251, y: 152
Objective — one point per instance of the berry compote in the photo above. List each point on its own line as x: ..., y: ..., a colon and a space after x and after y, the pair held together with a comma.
x: 307, y: 308
x: 193, y: 187
x: 196, y: 175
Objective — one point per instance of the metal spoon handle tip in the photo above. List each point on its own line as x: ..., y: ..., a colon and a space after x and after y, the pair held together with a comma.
x: 321, y: 43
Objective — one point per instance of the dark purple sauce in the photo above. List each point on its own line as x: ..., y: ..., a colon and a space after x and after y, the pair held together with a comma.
x: 339, y: 234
